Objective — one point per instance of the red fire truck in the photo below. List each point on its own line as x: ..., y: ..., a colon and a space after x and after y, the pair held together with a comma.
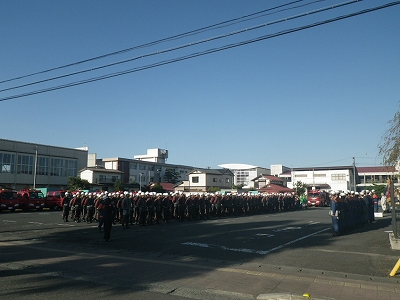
x: 318, y: 198
x: 31, y: 199
x: 54, y: 199
x: 9, y: 200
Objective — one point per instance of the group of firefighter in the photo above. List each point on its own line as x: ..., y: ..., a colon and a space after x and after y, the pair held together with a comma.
x: 352, y: 209
x: 154, y: 208
x: 348, y: 209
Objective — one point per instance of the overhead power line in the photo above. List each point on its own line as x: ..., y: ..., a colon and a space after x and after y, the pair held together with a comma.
x: 174, y: 37
x: 246, y: 30
x: 213, y: 50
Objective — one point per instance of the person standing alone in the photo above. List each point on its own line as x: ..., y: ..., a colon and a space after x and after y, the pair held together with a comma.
x: 108, y: 218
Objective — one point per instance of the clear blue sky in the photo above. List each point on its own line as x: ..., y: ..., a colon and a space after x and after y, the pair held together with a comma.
x: 316, y: 97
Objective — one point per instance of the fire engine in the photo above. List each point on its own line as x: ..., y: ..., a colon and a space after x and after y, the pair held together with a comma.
x: 54, y: 199
x: 9, y: 200
x: 31, y: 199
x: 318, y: 198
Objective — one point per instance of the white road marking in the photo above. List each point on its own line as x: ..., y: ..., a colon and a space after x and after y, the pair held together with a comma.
x: 261, y: 252
x: 265, y: 234
x: 286, y: 228
x: 63, y: 224
x: 312, y: 223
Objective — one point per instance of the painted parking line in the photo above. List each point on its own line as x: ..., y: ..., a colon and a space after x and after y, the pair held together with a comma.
x: 252, y: 251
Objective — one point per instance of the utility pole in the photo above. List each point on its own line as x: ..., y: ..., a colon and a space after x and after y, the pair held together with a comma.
x: 35, y: 171
x: 354, y: 174
x: 140, y: 181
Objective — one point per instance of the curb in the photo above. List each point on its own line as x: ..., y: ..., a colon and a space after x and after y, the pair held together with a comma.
x: 394, y: 242
x: 280, y: 296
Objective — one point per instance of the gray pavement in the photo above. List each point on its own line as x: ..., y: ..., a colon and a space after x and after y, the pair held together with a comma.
x: 41, y: 257
x: 192, y: 278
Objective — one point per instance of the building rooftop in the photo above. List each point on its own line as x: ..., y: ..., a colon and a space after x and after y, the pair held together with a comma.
x: 213, y: 171
x: 102, y: 170
x: 238, y: 166
x: 275, y: 188
x: 378, y: 169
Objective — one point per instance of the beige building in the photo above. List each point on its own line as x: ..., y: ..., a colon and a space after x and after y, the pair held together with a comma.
x: 101, y: 178
x: 200, y: 180
x: 244, y: 173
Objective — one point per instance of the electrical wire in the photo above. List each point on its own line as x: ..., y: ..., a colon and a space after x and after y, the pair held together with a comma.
x: 213, y: 50
x: 174, y: 37
x: 246, y: 30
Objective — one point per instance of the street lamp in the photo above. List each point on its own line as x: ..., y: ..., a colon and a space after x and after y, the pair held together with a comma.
x: 140, y: 181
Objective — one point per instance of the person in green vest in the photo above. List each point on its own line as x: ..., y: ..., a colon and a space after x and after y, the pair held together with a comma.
x: 303, y: 201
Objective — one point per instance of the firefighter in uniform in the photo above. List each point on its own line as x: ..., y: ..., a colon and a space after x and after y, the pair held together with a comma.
x: 166, y: 208
x: 334, y: 212
x: 125, y: 206
x: 89, y: 208
x: 65, y: 205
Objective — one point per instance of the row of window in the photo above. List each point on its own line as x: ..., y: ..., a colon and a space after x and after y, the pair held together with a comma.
x: 25, y: 164
x: 374, y: 178
x: 105, y: 179
x: 139, y: 179
x: 143, y: 167
x: 333, y: 176
x: 195, y: 179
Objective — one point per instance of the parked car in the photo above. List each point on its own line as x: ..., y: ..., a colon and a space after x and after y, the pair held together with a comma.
x: 54, y: 199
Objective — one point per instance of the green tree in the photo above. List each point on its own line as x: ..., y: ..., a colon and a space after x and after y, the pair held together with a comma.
x: 157, y: 188
x: 171, y: 176
x: 389, y: 147
x: 213, y: 189
x: 238, y: 186
x: 118, y: 186
x: 379, y: 188
x: 77, y: 183
x: 300, y: 187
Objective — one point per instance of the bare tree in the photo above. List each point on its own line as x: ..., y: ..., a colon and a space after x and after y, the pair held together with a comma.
x: 389, y: 147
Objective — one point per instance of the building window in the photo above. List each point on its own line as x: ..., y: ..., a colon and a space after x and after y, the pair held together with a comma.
x: 7, y: 163
x: 132, y: 166
x: 42, y: 166
x: 300, y: 175
x: 142, y: 167
x: 102, y: 178
x: 338, y: 177
x: 25, y: 164
x: 215, y: 180
x: 70, y: 168
x: 227, y: 180
x: 132, y: 178
x: 56, y: 167
x: 195, y: 179
x: 114, y: 178
x: 319, y: 175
